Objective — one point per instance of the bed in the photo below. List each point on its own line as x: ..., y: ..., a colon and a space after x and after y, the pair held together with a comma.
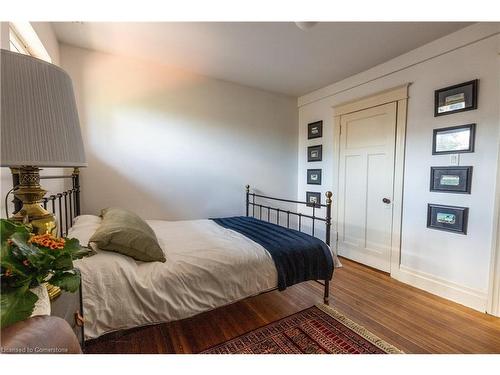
x: 209, y: 264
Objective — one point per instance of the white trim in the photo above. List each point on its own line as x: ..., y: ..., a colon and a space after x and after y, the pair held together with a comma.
x: 16, y: 42
x: 336, y: 186
x: 29, y: 38
x: 494, y: 288
x: 456, y: 40
x: 397, y: 95
x: 493, y: 306
x: 381, y: 98
x: 473, y: 298
x: 399, y: 171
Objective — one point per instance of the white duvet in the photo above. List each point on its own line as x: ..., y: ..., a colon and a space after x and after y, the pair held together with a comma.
x: 207, y: 266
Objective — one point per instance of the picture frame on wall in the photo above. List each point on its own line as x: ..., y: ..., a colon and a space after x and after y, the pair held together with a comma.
x: 314, y: 176
x: 454, y: 179
x: 454, y: 139
x: 456, y: 98
x: 313, y: 199
x: 447, y: 218
x: 315, y: 130
x: 314, y: 153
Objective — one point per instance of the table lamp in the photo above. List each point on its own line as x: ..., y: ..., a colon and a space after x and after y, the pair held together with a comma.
x: 39, y: 128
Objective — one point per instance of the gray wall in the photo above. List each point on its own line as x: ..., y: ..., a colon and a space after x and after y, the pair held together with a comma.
x: 173, y: 145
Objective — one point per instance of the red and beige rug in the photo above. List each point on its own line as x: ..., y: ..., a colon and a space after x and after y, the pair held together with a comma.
x: 317, y: 330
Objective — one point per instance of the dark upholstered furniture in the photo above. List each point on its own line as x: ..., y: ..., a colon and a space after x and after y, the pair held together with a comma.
x: 40, y: 335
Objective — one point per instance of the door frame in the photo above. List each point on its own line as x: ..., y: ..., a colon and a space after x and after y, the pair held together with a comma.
x: 493, y: 302
x: 399, y: 95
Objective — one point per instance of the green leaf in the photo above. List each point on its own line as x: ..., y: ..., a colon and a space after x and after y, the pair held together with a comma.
x: 8, y: 228
x: 83, y: 252
x: 69, y: 281
x: 71, y: 245
x: 25, y: 249
x: 16, y: 305
x: 63, y: 262
x: 20, y: 281
x: 77, y: 251
x: 15, y: 265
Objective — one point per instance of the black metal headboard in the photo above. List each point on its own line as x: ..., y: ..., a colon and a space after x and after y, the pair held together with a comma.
x: 258, y: 206
x: 64, y: 205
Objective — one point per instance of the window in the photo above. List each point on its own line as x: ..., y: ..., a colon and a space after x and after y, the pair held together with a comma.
x: 24, y: 39
x: 16, y: 43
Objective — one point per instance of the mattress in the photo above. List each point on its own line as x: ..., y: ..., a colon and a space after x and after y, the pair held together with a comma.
x: 207, y: 266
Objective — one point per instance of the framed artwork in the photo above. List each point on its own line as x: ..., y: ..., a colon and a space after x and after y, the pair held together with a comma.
x: 315, y: 153
x: 451, y: 179
x: 457, y: 98
x: 447, y: 218
x: 313, y: 199
x: 454, y: 139
x: 315, y: 130
x: 314, y: 176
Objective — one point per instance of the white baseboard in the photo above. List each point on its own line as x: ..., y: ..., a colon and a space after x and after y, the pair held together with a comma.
x: 469, y: 297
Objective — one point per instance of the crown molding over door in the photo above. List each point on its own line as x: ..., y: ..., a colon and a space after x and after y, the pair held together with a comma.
x: 387, y: 96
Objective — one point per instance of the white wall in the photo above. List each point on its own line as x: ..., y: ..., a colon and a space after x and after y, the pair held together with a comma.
x: 452, y: 265
x: 174, y: 145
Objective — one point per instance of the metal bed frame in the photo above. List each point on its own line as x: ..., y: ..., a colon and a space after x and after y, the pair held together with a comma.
x: 68, y: 202
x: 327, y: 219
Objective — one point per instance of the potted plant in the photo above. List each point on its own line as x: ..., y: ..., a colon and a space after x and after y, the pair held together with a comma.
x: 28, y: 261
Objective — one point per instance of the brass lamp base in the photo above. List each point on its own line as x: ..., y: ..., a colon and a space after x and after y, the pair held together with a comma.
x: 32, y: 214
x: 30, y: 193
x: 54, y: 291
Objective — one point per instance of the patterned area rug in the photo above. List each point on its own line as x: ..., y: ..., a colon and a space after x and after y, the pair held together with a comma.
x: 317, y: 330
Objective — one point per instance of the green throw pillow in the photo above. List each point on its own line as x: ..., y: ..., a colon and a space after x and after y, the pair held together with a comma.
x: 126, y: 233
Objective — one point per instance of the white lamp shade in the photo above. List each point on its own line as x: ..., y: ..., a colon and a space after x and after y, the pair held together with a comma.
x: 39, y: 119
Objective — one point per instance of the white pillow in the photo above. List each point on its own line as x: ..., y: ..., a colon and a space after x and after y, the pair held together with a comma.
x: 87, y: 219
x: 84, y: 226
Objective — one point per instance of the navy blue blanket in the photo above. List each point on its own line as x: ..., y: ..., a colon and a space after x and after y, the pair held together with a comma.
x: 297, y: 256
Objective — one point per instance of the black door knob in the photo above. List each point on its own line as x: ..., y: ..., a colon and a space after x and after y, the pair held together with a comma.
x: 386, y: 200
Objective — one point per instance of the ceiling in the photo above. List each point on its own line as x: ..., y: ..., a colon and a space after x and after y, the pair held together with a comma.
x: 274, y: 56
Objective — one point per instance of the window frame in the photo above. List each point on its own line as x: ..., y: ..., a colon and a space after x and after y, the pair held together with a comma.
x: 17, y: 44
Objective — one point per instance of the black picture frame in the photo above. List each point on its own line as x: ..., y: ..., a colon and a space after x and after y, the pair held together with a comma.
x: 313, y: 195
x: 447, y: 218
x: 456, y: 98
x: 450, y: 130
x: 315, y: 153
x: 314, y: 176
x: 451, y: 179
x: 315, y: 130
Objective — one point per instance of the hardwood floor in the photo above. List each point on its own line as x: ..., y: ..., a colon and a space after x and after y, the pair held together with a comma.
x: 413, y: 320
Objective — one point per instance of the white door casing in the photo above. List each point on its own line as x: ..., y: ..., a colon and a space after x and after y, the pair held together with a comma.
x: 366, y: 185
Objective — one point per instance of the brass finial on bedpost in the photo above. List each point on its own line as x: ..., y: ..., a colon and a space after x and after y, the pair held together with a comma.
x: 247, y: 187
x: 329, y: 197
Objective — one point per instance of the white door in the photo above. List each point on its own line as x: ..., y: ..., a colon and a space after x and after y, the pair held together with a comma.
x: 366, y: 180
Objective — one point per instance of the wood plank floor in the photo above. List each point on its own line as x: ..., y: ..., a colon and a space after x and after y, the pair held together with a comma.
x: 411, y: 319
